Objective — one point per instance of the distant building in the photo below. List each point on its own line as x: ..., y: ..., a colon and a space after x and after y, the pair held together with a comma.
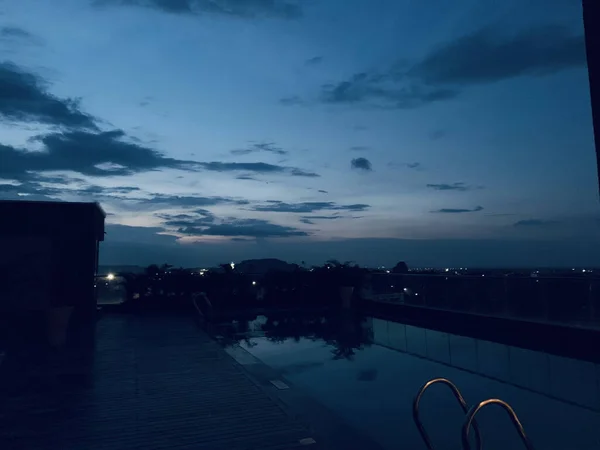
x: 48, y: 260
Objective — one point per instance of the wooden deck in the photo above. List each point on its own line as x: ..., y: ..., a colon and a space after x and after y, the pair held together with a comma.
x: 154, y: 383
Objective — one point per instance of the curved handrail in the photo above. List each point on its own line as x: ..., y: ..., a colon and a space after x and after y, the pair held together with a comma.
x: 470, y: 419
x: 459, y: 398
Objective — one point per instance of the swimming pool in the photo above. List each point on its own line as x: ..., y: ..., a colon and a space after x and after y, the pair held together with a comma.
x: 372, y: 381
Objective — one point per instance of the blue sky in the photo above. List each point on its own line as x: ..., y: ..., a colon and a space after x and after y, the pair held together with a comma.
x: 371, y: 130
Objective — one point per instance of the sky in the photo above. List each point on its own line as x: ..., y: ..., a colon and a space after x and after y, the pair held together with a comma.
x: 440, y: 133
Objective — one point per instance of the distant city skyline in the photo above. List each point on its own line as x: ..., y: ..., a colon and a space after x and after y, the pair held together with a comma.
x: 440, y: 133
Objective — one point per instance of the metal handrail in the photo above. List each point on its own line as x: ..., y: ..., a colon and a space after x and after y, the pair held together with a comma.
x: 470, y: 419
x: 459, y: 398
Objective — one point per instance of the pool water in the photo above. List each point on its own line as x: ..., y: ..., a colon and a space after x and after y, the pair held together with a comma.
x: 372, y: 380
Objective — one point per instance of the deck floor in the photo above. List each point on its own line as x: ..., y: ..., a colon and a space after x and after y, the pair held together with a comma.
x: 154, y: 383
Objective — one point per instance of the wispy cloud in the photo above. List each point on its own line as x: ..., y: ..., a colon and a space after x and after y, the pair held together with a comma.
x: 459, y: 186
x: 287, y: 9
x: 458, y: 210
x: 315, y: 61
x: 359, y: 148
x: 413, y: 165
x: 268, y: 147
x: 535, y: 223
x: 308, y: 207
x: 255, y: 167
x: 361, y: 164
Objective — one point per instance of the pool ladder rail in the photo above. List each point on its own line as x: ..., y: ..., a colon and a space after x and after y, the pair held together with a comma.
x: 469, y: 416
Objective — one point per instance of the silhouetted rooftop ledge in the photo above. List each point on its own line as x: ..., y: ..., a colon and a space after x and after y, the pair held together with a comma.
x: 41, y: 218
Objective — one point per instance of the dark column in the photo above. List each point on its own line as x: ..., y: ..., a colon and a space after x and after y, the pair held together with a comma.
x: 591, y: 23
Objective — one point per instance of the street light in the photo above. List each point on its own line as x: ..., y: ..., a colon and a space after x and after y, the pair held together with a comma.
x: 110, y: 277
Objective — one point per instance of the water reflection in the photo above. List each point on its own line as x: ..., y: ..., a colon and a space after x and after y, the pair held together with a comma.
x: 348, y: 332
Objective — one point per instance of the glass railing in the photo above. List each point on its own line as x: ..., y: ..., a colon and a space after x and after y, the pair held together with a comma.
x: 567, y: 379
x: 573, y: 301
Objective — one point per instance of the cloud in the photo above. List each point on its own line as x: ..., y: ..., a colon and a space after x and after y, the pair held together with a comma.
x: 323, y: 191
x: 361, y: 164
x: 189, y: 201
x: 482, y: 57
x: 256, y: 228
x: 287, y: 9
x: 414, y: 165
x: 534, y: 223
x: 359, y: 148
x: 322, y: 217
x: 460, y: 186
x: 199, y: 218
x: 12, y: 34
x: 458, y: 211
x: 303, y: 173
x: 314, y: 61
x: 308, y: 207
x: 256, y: 167
x: 24, y: 97
x: 268, y: 147
x: 35, y: 190
x: 94, y: 154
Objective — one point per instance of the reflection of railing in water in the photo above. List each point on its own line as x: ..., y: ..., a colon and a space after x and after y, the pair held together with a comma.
x: 463, y: 353
x: 573, y: 301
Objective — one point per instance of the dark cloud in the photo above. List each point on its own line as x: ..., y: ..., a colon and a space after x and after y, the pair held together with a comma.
x: 268, y: 147
x: 314, y: 61
x: 246, y: 177
x: 94, y: 154
x: 359, y: 148
x: 307, y: 221
x: 288, y: 9
x: 256, y: 167
x: 308, y: 207
x: 534, y: 223
x: 483, y: 57
x: 486, y: 57
x: 256, y: 228
x: 303, y: 173
x: 458, y: 211
x: 24, y: 97
x: 460, y: 186
x: 361, y: 164
x: 323, y: 191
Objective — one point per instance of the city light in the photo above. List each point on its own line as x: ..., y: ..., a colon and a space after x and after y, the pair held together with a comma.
x: 232, y: 265
x: 254, y: 283
x: 387, y: 271
x: 110, y: 277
